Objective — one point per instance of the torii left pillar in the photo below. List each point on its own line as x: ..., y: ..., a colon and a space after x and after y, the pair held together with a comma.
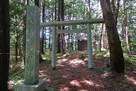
x: 32, y: 83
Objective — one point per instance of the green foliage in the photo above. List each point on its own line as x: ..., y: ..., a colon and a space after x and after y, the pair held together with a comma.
x: 130, y: 12
x: 124, y: 47
x: 101, y: 53
x: 133, y: 44
x: 47, y: 56
x: 130, y: 58
x: 97, y: 53
x: 85, y: 54
x: 17, y: 14
x: 16, y: 75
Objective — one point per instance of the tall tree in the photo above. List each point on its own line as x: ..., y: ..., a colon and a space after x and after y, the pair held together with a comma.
x: 102, y: 38
x: 43, y: 35
x: 25, y: 3
x: 125, y: 25
x: 37, y: 2
x: 116, y: 53
x: 4, y: 44
x: 61, y: 42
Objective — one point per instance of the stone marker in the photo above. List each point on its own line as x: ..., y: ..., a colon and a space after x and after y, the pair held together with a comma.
x: 31, y: 82
x: 32, y: 46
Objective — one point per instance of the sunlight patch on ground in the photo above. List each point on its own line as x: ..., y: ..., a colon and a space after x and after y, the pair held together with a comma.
x: 104, y: 75
x: 131, y: 79
x: 83, y: 90
x: 41, y: 71
x: 60, y: 65
x: 91, y: 83
x: 76, y: 62
x: 88, y: 82
x: 64, y: 88
x: 41, y: 74
x: 65, y: 76
x: 75, y: 83
x: 134, y: 72
x: 44, y: 76
x: 62, y: 60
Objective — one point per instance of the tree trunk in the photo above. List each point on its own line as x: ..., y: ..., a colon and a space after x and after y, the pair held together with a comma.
x: 16, y: 47
x: 61, y: 42
x: 116, y: 53
x: 26, y: 2
x: 49, y: 41
x: 59, y: 46
x: 4, y: 44
x: 44, y: 34
x: 42, y: 31
x: 42, y: 42
x: 37, y: 2
x: 42, y: 37
x: 96, y: 37
x: 102, y: 38
x: 115, y: 9
x: 63, y: 35
x: 126, y: 26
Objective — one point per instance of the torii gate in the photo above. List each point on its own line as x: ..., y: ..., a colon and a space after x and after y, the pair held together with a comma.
x: 32, y: 83
x: 74, y: 22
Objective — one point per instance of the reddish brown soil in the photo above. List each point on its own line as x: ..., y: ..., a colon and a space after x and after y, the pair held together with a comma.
x: 72, y: 74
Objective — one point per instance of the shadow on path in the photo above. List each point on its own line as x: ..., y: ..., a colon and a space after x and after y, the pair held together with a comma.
x: 72, y: 74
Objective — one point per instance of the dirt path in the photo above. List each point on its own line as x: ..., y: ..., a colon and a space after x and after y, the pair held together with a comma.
x: 72, y: 74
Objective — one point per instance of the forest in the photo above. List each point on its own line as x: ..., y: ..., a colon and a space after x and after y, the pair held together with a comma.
x: 81, y: 56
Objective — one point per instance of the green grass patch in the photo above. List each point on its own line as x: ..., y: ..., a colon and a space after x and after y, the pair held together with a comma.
x: 101, y: 53
x: 16, y: 74
x: 47, y: 56
x: 130, y: 58
x: 85, y: 54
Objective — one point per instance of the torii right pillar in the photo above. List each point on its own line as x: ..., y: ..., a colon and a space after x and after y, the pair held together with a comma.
x: 89, y: 45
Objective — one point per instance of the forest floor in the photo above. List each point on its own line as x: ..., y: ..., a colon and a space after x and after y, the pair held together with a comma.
x: 72, y: 74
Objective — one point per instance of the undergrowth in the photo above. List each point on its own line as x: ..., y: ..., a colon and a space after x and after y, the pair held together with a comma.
x: 16, y: 74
